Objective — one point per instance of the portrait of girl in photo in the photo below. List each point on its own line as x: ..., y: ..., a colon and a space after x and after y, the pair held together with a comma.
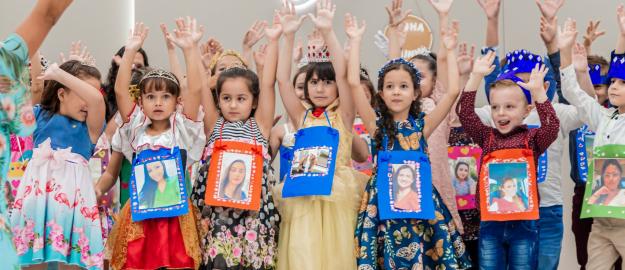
x: 159, y: 188
x: 233, y: 182
x: 405, y: 190
x: 509, y: 199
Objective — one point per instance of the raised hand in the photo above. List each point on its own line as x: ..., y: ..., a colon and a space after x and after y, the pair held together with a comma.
x: 548, y: 29
x: 188, y: 34
x: 259, y: 55
x: 465, y: 58
x: 254, y: 34
x: 78, y: 53
x: 592, y: 33
x: 620, y: 16
x: 274, y: 32
x: 549, y: 8
x: 210, y: 49
x: 315, y: 40
x: 395, y: 14
x: 352, y: 29
x: 537, y: 77
x: 166, y: 35
x: 325, y: 15
x: 441, y: 6
x: 567, y: 34
x: 137, y: 37
x: 580, y: 58
x: 288, y: 18
x: 450, y: 36
x: 484, y: 65
x: 52, y: 73
x: 298, y: 51
x: 490, y: 7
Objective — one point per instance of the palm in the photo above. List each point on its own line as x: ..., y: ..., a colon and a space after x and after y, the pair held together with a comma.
x: 134, y: 43
x: 490, y: 7
x: 580, y: 60
x: 549, y: 8
x: 323, y: 21
x: 254, y: 34
x: 442, y: 6
x: 273, y: 32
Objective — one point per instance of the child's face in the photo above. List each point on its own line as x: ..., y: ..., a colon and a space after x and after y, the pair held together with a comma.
x: 236, y: 100
x: 601, y: 90
x: 398, y: 91
x: 616, y: 92
x: 156, y: 170
x: 236, y: 175
x: 322, y: 92
x: 226, y: 62
x: 611, y: 177
x: 509, y: 188
x: 405, y: 178
x: 508, y: 108
x: 71, y: 105
x: 427, y: 77
x: 300, y: 81
x: 158, y: 105
x: 463, y: 172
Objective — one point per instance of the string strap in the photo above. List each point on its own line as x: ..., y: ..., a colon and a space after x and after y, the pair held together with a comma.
x: 310, y: 110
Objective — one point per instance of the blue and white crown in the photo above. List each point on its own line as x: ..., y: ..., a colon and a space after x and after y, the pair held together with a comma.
x: 521, y: 61
x: 595, y: 75
x: 617, y: 66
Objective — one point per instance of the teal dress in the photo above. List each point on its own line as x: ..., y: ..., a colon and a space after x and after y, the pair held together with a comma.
x: 407, y: 243
x: 16, y: 117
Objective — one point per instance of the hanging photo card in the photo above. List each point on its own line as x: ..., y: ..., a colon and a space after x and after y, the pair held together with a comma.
x: 605, y: 187
x: 464, y: 163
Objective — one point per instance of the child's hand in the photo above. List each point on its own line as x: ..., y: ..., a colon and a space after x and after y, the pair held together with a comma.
x: 315, y: 40
x: 298, y: 51
x: 52, y: 73
x: 592, y: 33
x: 442, y: 6
x: 620, y: 16
x: 548, y: 29
x: 395, y: 14
x: 490, y: 7
x: 137, y: 37
x: 288, y: 18
x: 352, y: 29
x: 567, y: 34
x: 166, y: 35
x: 325, y: 15
x: 465, y: 59
x: 259, y: 55
x: 537, y: 78
x: 549, y: 8
x: 254, y: 34
x: 188, y: 34
x: 484, y: 65
x: 450, y: 36
x: 78, y: 53
x: 274, y: 32
x: 210, y: 49
x: 580, y: 58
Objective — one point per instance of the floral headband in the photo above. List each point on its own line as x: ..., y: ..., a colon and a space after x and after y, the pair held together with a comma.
x: 412, y: 68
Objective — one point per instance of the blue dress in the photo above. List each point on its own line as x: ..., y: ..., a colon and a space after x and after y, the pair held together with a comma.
x: 407, y: 243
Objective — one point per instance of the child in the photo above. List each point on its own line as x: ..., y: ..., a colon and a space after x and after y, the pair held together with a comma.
x: 604, y: 242
x: 315, y: 232
x: 509, y: 107
x: 157, y: 121
x: 404, y: 243
x: 55, y: 216
x: 236, y: 238
x: 15, y: 51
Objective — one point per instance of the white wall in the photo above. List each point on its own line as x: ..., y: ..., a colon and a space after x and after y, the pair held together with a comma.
x: 103, y: 25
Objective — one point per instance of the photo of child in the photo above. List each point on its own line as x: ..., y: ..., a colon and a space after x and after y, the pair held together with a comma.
x: 508, y: 187
x: 607, y: 188
x: 405, y: 187
x: 310, y: 160
x: 158, y: 184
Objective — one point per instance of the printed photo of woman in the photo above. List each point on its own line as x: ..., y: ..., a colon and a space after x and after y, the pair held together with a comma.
x: 232, y: 183
x: 462, y: 180
x: 159, y: 189
x: 405, y: 190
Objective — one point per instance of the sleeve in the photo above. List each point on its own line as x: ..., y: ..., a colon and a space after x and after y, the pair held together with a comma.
x: 553, y: 77
x: 589, y: 110
x: 367, y: 230
x: 484, y: 114
x: 568, y: 116
x: 547, y: 133
x: 469, y: 119
x: 14, y: 80
x: 126, y: 133
x: 190, y: 134
x: 492, y: 77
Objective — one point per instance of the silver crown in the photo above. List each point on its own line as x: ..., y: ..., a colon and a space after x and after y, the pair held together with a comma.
x: 160, y: 73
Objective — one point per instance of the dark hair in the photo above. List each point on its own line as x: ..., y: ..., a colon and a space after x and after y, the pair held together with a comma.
x: 396, y: 174
x: 251, y: 79
x: 370, y: 88
x: 50, y: 98
x: 149, y: 186
x: 430, y: 59
x: 324, y: 72
x: 226, y: 179
x: 601, y: 61
x: 148, y: 85
x: 609, y: 162
x: 386, y: 119
x: 109, y: 86
x: 458, y: 165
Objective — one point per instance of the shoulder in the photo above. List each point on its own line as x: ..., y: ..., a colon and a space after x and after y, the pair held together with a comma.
x: 14, y: 49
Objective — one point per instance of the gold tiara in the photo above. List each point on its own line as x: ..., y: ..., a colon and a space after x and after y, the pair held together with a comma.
x: 134, y: 92
x: 160, y: 73
x: 224, y: 54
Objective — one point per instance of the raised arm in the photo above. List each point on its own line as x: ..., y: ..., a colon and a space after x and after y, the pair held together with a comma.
x: 620, y: 42
x: 290, y: 24
x: 252, y: 36
x: 122, y: 83
x: 187, y: 37
x: 434, y: 118
x: 174, y: 64
x: 323, y: 22
x: 38, y: 24
x: 442, y: 7
x: 580, y: 63
x: 395, y: 28
x: 491, y: 9
x: 92, y: 97
x: 592, y: 33
x: 267, y: 98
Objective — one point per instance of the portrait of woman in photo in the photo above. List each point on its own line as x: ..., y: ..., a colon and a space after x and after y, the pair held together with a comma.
x: 159, y: 189
x: 462, y: 181
x: 405, y: 188
x: 509, y: 200
x: 609, y: 191
x: 233, y: 181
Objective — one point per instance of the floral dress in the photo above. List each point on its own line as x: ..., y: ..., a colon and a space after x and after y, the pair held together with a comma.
x: 16, y: 117
x: 235, y: 238
x: 407, y: 243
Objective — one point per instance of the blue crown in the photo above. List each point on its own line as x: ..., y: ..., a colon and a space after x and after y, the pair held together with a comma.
x: 617, y: 66
x: 595, y: 75
x: 402, y: 61
x: 521, y: 61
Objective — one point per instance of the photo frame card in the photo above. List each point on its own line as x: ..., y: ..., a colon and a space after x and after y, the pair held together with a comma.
x: 508, y: 188
x: 404, y: 182
x: 605, y: 188
x: 157, y: 185
x: 313, y: 163
x: 584, y: 141
x: 464, y: 164
x: 235, y: 175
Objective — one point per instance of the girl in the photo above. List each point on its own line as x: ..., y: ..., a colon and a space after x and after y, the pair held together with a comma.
x: 158, y: 189
x: 232, y: 188
x: 316, y: 231
x: 405, y: 195
x: 509, y: 201
x: 404, y: 243
x: 158, y: 121
x: 463, y: 183
x: 240, y: 239
x: 55, y: 216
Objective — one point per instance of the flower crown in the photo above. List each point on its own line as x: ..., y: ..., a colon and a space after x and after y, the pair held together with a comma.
x: 318, y: 54
x: 160, y: 73
x: 402, y: 61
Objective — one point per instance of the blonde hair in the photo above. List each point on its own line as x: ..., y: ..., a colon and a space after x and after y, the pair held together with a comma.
x: 225, y: 53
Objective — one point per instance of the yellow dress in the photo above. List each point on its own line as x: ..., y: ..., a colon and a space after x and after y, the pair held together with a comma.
x: 317, y: 232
